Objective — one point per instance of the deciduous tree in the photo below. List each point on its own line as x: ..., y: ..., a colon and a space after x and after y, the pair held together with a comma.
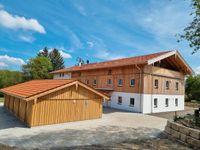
x: 192, y: 31
x: 37, y: 68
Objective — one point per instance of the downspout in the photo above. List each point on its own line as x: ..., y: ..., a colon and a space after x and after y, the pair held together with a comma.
x: 140, y: 86
x: 152, y: 87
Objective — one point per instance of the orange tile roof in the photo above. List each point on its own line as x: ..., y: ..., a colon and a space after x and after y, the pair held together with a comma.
x: 113, y: 63
x: 34, y: 87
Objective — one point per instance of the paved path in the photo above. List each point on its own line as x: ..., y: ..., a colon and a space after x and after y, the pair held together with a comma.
x: 113, y: 127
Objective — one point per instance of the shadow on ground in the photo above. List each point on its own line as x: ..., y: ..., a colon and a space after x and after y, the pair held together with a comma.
x: 8, y: 120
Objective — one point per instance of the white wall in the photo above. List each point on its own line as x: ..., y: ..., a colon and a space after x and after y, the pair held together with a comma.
x: 125, y: 101
x: 161, y: 103
x: 66, y: 76
x: 147, y: 102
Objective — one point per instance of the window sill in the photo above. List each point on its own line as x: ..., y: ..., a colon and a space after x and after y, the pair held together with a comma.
x: 132, y: 85
x: 119, y: 103
x: 131, y: 105
x: 120, y: 85
x: 155, y: 107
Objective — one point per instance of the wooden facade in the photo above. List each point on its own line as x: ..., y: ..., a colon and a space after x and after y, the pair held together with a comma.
x: 148, y: 75
x: 65, y: 105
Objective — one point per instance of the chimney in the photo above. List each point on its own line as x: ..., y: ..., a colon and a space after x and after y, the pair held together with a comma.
x: 80, y: 64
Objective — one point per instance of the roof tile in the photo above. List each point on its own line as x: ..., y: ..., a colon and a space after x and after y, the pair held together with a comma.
x: 34, y: 87
x: 113, y: 63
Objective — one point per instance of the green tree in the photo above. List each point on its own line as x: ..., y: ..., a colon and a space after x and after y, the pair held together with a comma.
x: 8, y: 78
x: 192, y: 31
x: 56, y: 59
x: 54, y: 56
x: 37, y: 68
x: 44, y: 52
x: 193, y: 87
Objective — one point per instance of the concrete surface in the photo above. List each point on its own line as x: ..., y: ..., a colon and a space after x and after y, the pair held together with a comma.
x: 115, y: 126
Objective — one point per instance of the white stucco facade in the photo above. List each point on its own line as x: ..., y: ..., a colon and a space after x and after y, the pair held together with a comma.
x: 146, y: 103
x: 62, y: 76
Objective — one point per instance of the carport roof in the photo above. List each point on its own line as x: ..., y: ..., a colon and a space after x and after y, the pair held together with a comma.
x: 38, y: 87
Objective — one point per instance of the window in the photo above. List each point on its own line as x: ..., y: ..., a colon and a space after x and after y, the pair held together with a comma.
x: 156, y: 84
x: 95, y: 82
x: 177, y: 86
x: 155, y: 102
x: 109, y: 82
x: 87, y: 81
x: 167, y: 85
x: 120, y: 82
x: 132, y: 101
x: 176, y: 101
x: 132, y: 82
x: 109, y: 72
x: 61, y: 74
x: 119, y: 100
x: 166, y: 102
x: 79, y: 74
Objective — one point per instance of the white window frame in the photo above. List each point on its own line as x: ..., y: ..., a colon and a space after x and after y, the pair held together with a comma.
x: 155, y: 105
x: 87, y: 81
x: 119, y: 82
x: 132, y: 105
x: 176, y: 102
x: 166, y: 102
x: 131, y: 84
x: 167, y: 85
x: 177, y: 86
x: 94, y: 82
x: 109, y: 83
x: 120, y: 103
x: 156, y: 85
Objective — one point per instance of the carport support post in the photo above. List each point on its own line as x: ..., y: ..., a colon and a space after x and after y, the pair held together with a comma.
x: 35, y: 100
x: 76, y: 85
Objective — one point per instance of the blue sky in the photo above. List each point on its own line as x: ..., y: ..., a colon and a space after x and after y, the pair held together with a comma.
x: 97, y: 30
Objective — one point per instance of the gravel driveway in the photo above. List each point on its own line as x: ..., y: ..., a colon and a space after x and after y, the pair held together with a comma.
x: 113, y: 127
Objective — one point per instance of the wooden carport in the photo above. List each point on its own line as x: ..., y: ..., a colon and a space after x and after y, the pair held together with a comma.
x: 42, y: 102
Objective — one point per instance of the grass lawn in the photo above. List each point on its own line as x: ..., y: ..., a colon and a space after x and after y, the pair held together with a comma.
x: 1, y: 99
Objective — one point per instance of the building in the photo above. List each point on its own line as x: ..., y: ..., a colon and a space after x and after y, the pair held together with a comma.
x: 147, y: 84
x: 42, y: 102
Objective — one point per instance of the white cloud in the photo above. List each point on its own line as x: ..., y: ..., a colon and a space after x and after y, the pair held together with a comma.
x: 25, y: 38
x: 80, y: 9
x: 107, y: 56
x: 197, y: 70
x: 3, y: 65
x: 65, y: 55
x: 90, y: 44
x: 101, y: 50
x: 165, y: 18
x: 8, y: 62
x: 17, y: 22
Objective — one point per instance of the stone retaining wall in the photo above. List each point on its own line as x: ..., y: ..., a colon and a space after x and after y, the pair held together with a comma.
x: 185, y: 134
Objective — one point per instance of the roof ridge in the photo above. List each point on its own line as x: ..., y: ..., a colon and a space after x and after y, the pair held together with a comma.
x: 126, y: 58
x: 113, y: 63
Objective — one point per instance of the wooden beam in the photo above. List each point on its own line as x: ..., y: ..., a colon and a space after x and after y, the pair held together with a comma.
x: 35, y: 100
x: 76, y: 86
